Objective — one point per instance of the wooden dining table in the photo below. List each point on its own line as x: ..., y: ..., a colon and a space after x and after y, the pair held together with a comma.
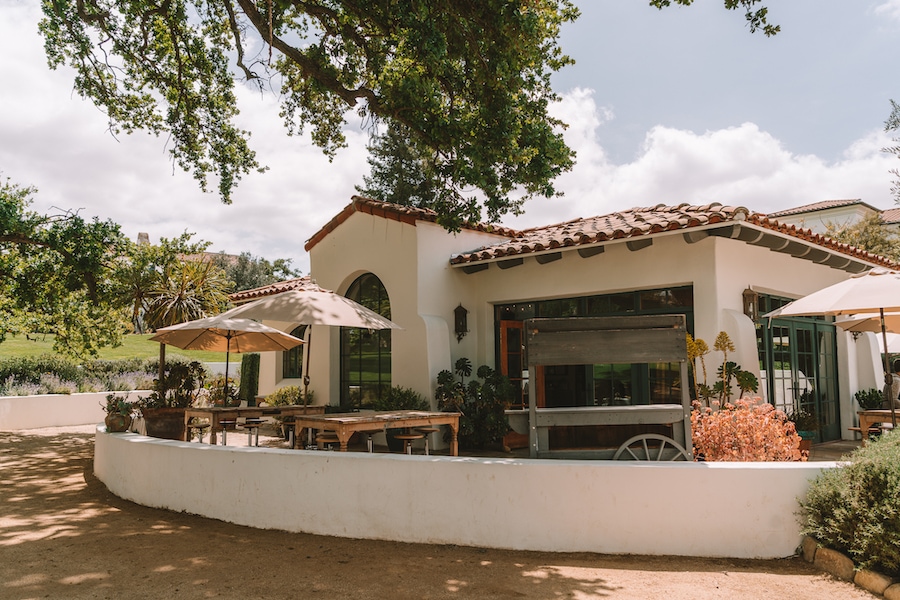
x: 217, y: 414
x: 867, y: 418
x: 344, y: 425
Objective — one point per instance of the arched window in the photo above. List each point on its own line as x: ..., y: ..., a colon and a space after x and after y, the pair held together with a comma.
x: 366, y: 355
x: 292, y: 360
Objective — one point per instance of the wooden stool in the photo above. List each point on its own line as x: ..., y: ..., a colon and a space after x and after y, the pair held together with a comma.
x: 225, y: 425
x: 408, y: 439
x: 200, y: 428
x: 252, y: 425
x: 327, y: 439
x: 427, y: 431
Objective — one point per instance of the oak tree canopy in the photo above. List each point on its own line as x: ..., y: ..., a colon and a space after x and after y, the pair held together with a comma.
x: 466, y: 81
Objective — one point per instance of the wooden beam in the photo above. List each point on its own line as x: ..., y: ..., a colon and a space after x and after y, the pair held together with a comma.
x: 590, y: 251
x: 543, y: 259
x: 510, y: 263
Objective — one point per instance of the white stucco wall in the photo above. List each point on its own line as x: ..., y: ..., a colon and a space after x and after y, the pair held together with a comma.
x: 818, y: 220
x: 54, y: 410
x: 413, y: 264
x: 739, y: 510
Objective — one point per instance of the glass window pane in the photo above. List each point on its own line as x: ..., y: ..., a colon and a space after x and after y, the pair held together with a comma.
x: 292, y: 360
x: 366, y: 355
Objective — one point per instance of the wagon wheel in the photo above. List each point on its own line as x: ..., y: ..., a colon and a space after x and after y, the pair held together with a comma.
x: 651, y: 446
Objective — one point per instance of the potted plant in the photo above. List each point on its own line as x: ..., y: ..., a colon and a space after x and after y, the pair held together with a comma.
x: 118, y: 413
x: 163, y: 408
x: 216, y: 388
x: 482, y: 404
x: 806, y: 423
x: 288, y: 395
x: 399, y: 398
x: 870, y: 399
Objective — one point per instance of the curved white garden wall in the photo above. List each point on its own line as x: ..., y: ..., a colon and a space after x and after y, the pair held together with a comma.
x: 740, y: 510
x: 53, y: 410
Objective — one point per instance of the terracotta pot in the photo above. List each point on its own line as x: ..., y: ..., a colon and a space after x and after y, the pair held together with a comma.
x: 117, y: 423
x: 165, y: 423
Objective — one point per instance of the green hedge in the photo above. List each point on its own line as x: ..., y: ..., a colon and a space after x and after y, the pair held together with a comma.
x: 54, y: 374
x: 855, y: 508
x: 249, y: 378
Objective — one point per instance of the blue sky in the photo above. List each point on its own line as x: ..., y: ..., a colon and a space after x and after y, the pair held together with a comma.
x: 672, y: 106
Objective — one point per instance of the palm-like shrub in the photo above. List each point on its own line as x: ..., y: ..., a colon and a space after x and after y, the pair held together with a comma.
x: 482, y: 404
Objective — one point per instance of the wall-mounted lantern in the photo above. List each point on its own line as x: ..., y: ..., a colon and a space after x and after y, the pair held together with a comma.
x: 751, y: 304
x: 460, y: 322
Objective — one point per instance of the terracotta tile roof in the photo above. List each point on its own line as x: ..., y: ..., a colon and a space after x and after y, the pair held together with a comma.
x: 642, y: 222
x: 304, y: 283
x: 891, y: 215
x: 817, y: 206
x: 396, y: 212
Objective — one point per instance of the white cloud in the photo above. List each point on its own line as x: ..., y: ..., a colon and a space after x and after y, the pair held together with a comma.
x: 56, y: 141
x: 889, y: 9
x: 740, y: 165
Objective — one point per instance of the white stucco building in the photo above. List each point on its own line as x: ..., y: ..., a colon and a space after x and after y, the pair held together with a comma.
x: 712, y: 263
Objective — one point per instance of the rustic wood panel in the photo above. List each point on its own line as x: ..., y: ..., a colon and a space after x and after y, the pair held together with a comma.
x: 609, y: 415
x: 639, y: 339
x: 598, y: 340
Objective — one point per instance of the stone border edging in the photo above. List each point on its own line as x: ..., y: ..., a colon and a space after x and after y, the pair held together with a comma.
x: 840, y: 566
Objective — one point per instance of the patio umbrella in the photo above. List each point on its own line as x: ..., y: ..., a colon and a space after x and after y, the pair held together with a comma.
x: 320, y: 307
x: 871, y: 322
x: 876, y: 291
x: 224, y: 334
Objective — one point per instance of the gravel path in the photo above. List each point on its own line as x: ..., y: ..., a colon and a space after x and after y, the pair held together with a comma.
x: 63, y: 535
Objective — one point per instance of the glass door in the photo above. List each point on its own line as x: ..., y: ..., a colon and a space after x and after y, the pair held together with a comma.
x: 799, y: 370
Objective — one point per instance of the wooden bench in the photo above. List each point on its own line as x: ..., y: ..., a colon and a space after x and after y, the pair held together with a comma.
x: 872, y: 430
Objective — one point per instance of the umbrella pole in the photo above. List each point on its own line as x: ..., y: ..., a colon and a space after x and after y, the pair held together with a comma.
x: 306, y: 371
x: 227, y: 356
x: 888, y: 376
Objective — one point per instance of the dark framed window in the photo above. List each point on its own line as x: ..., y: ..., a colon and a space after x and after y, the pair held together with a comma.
x: 607, y: 384
x: 366, y: 355
x: 292, y: 360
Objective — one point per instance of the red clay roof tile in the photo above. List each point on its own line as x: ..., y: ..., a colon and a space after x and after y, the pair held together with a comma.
x: 405, y: 214
x: 647, y: 221
x: 304, y: 283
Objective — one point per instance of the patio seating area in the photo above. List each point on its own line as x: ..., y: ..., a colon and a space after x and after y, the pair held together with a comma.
x: 270, y: 437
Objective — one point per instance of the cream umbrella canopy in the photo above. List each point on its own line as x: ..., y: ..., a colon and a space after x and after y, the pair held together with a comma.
x: 225, y: 334
x: 312, y: 307
x: 876, y: 291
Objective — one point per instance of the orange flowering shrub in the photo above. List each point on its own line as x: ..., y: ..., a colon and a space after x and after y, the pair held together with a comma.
x: 748, y: 430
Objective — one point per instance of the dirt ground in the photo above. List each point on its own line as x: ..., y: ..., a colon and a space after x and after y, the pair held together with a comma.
x: 63, y: 535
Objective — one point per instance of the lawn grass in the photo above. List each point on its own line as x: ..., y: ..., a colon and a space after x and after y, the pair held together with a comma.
x: 133, y: 346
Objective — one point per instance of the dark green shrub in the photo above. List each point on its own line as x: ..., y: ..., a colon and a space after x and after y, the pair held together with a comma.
x: 29, y: 369
x: 249, y: 378
x: 482, y: 404
x: 401, y: 398
x: 179, y: 386
x: 855, y: 508
x: 869, y: 399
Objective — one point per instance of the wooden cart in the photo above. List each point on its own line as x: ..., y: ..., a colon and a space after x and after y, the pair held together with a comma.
x: 610, y: 340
